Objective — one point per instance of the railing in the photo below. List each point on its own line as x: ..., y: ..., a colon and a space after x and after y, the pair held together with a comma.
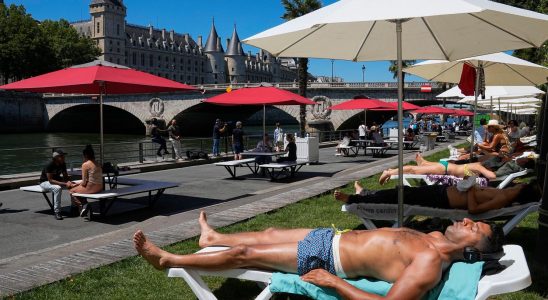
x: 25, y: 160
x: 320, y: 85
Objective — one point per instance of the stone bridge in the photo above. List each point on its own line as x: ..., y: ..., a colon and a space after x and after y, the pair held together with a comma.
x: 125, y: 113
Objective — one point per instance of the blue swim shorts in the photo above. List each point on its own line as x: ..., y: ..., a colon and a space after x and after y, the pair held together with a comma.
x: 315, y: 251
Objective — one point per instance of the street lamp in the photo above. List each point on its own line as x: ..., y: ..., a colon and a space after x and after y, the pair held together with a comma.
x: 363, y: 73
x: 332, y: 68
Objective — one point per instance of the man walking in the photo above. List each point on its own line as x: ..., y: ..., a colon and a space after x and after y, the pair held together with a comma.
x: 54, y: 176
x: 218, y: 130
x: 362, y: 129
x: 175, y: 138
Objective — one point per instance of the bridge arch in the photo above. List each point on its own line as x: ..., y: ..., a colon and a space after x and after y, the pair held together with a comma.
x: 85, y: 118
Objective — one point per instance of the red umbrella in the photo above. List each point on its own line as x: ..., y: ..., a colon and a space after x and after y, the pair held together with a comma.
x: 406, y: 106
x: 463, y: 113
x: 260, y: 95
x: 97, y: 78
x: 434, y: 110
x: 364, y: 103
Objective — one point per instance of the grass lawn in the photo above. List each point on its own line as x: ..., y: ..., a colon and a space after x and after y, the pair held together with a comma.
x: 133, y: 278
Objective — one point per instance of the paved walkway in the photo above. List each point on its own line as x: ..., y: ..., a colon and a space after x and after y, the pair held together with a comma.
x: 36, y: 249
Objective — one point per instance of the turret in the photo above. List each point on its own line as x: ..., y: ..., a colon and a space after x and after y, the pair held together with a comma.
x: 215, y: 53
x: 108, y: 18
x: 235, y: 59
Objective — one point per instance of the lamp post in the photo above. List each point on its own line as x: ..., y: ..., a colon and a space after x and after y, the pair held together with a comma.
x: 332, y: 70
x: 363, y: 73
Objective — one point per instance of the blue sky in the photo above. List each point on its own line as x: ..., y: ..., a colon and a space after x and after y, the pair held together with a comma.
x: 194, y: 17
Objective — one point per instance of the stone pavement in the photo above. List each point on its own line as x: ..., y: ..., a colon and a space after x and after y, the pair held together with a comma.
x: 36, y: 249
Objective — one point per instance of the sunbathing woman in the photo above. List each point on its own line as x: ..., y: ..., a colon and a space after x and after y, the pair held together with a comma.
x: 92, y: 181
x: 424, y: 167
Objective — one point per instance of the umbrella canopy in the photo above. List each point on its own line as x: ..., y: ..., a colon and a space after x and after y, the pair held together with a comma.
x: 394, y: 106
x: 95, y: 78
x: 499, y: 68
x: 434, y: 110
x: 518, y: 100
x: 497, y: 92
x: 463, y: 113
x: 360, y: 30
x: 262, y: 95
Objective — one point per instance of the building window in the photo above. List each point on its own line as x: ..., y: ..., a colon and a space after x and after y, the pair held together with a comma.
x: 142, y: 59
x: 151, y: 60
x: 98, y: 27
x: 118, y: 61
x: 118, y: 29
x: 134, y: 58
x: 232, y: 69
x: 215, y: 75
x: 202, y: 80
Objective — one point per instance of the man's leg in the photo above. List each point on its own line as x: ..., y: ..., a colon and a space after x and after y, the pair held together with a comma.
x: 176, y: 147
x: 279, y: 257
x: 57, y: 192
x: 210, y: 237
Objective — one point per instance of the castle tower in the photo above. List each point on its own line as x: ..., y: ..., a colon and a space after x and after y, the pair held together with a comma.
x: 215, y: 54
x: 108, y: 19
x: 235, y: 59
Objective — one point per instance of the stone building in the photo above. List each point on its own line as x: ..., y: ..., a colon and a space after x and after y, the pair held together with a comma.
x: 178, y: 56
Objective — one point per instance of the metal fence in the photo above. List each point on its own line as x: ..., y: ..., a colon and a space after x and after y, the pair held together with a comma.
x: 25, y: 160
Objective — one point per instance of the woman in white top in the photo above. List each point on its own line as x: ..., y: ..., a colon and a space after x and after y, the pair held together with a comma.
x: 92, y: 181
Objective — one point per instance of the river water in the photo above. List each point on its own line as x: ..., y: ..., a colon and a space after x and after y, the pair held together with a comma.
x: 28, y: 152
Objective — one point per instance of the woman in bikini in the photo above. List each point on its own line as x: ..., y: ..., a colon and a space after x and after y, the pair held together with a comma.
x: 425, y: 167
x: 92, y: 181
x: 499, y: 145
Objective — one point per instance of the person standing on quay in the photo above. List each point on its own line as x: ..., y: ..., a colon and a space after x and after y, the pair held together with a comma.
x: 218, y: 130
x: 175, y: 138
x: 278, y: 136
x: 238, y: 141
x: 157, y: 138
x: 362, y: 129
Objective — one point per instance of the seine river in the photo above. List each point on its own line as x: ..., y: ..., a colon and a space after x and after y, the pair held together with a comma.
x: 28, y: 152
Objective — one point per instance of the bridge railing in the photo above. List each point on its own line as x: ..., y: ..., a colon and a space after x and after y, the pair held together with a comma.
x: 317, y: 85
x: 22, y: 161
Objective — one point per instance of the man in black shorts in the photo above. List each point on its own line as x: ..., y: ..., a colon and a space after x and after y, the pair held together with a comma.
x: 476, y: 200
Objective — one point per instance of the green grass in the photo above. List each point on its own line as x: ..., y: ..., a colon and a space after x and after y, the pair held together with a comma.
x: 133, y: 278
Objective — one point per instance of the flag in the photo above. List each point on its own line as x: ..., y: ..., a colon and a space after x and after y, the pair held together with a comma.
x: 467, y: 82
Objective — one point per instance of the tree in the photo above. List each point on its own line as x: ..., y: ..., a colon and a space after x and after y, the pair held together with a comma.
x: 295, y: 9
x: 24, y: 51
x: 393, y: 68
x: 69, y: 48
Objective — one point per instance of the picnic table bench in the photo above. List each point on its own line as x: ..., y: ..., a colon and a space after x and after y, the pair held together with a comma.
x: 107, y: 197
x: 231, y: 165
x: 276, y: 169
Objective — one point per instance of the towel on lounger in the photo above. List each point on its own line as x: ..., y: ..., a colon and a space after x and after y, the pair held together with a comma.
x: 460, y: 282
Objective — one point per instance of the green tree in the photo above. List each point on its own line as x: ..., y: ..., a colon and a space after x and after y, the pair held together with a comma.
x: 393, y: 68
x: 69, y: 48
x: 295, y: 9
x: 24, y: 50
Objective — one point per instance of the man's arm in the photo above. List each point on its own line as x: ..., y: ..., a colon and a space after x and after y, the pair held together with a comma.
x: 68, y: 184
x: 418, y: 278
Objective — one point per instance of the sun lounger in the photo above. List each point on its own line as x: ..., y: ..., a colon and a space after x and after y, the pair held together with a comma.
x: 515, y: 277
x: 388, y: 212
x: 108, y: 197
x: 276, y: 170
x: 231, y: 165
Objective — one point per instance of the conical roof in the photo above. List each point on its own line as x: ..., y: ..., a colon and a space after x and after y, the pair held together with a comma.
x: 212, y: 43
x: 234, y: 47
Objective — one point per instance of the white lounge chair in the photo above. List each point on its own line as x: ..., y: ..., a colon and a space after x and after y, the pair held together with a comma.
x: 389, y: 212
x: 514, y: 278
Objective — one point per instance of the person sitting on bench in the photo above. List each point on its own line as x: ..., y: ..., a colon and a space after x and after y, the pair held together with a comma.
x: 54, y: 176
x: 476, y: 200
x: 439, y: 168
x: 291, y: 149
x: 265, y: 145
x: 342, y: 146
x: 412, y: 260
x: 92, y: 182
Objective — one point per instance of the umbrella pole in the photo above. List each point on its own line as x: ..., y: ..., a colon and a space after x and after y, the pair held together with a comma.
x: 491, y: 106
x: 365, y: 118
x: 499, y: 108
x: 264, y: 120
x: 476, y: 92
x: 400, y: 122
x: 102, y: 146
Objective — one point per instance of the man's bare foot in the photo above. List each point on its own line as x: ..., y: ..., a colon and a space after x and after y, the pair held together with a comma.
x: 384, y: 177
x: 340, y: 196
x: 207, y: 235
x: 358, y: 187
x: 419, y: 159
x: 148, y: 250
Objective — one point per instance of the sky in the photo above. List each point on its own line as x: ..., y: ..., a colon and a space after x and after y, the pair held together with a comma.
x: 195, y: 16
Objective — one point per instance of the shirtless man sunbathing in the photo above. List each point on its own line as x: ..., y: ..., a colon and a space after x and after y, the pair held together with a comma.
x: 425, y: 167
x: 414, y: 261
x: 476, y: 200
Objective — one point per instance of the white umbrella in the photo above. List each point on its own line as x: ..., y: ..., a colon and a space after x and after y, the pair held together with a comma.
x: 361, y: 30
x: 495, y: 91
x: 519, y: 100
